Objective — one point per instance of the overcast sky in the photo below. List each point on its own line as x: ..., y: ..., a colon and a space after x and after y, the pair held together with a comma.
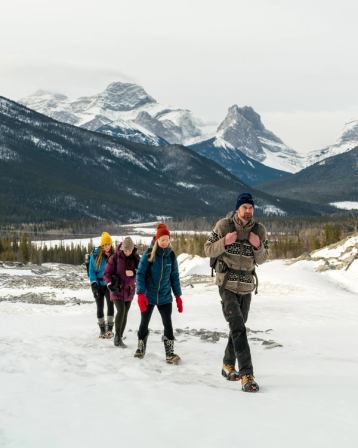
x: 295, y: 62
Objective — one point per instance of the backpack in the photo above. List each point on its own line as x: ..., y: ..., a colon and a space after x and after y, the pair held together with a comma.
x: 217, y: 264
x: 87, y: 260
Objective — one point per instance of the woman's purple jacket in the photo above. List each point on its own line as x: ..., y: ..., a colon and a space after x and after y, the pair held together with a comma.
x: 116, y: 267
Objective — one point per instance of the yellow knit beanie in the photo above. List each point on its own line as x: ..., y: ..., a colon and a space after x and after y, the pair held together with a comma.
x: 106, y: 239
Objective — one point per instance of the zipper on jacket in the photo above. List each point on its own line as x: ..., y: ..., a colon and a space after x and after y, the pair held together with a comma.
x: 161, y: 275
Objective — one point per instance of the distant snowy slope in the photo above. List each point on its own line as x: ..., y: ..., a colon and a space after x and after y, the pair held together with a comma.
x: 333, y: 179
x: 347, y: 141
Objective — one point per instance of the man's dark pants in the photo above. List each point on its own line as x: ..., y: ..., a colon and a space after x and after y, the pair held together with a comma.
x: 236, y: 309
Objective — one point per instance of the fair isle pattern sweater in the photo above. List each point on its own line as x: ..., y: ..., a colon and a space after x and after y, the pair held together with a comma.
x: 240, y: 257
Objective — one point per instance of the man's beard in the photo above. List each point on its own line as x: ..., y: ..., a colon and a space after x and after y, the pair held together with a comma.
x: 247, y: 216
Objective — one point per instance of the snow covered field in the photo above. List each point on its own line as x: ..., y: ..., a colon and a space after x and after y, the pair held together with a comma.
x: 61, y: 386
x: 346, y: 205
x: 140, y: 233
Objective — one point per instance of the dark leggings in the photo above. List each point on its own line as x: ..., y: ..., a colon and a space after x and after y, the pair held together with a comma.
x: 104, y: 293
x: 121, y: 315
x: 166, y: 314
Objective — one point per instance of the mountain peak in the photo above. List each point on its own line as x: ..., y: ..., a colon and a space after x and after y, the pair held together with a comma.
x: 47, y: 102
x: 252, y: 116
x: 49, y: 94
x: 236, y: 113
x: 243, y: 129
x: 350, y: 131
x: 123, y: 96
x: 237, y: 130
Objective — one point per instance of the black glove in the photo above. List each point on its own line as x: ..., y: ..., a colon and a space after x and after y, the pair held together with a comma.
x: 95, y: 290
x: 114, y: 285
x: 112, y: 288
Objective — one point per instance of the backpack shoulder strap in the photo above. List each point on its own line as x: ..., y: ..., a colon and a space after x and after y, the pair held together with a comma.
x: 150, y: 263
x: 255, y: 228
x: 114, y: 261
x: 232, y: 225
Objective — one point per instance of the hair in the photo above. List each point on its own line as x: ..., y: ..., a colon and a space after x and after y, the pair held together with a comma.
x: 154, y: 251
x: 151, y: 258
x: 100, y: 254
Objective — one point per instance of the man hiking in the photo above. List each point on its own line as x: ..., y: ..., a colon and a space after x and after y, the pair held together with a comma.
x: 235, y: 246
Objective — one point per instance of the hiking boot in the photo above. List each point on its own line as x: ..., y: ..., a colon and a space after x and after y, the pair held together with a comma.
x: 249, y: 384
x: 170, y: 356
x: 228, y: 371
x: 109, y: 332
x: 116, y: 340
x: 122, y: 344
x: 102, y: 330
x: 142, y: 345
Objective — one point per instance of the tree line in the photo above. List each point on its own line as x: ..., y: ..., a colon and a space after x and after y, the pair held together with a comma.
x: 289, y: 244
x: 24, y: 251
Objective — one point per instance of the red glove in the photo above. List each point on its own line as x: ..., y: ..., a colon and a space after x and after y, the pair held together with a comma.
x: 179, y: 303
x: 142, y: 302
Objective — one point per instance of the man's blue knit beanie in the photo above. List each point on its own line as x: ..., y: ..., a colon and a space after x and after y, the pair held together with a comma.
x: 244, y: 198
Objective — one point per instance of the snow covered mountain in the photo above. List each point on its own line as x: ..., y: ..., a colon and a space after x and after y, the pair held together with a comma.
x: 242, y: 132
x: 121, y: 110
x: 93, y: 175
x: 347, y: 141
x: 333, y: 179
x: 126, y: 110
x: 51, y: 170
x: 245, y: 168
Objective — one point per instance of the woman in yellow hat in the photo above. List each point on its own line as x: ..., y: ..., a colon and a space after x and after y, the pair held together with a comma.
x: 97, y: 265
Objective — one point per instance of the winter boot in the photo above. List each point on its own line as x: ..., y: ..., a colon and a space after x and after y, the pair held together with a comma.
x: 228, y: 371
x: 170, y: 356
x: 249, y: 384
x: 102, y: 330
x: 109, y: 332
x: 142, y: 345
x: 122, y: 344
x: 116, y: 340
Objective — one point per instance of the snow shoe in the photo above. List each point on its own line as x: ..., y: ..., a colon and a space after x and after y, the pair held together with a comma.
x: 228, y: 371
x: 142, y: 345
x: 170, y: 356
x: 249, y: 384
x: 102, y: 330
x: 109, y: 332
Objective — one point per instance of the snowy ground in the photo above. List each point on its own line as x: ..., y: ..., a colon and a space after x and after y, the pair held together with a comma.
x: 61, y: 386
x: 346, y: 205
